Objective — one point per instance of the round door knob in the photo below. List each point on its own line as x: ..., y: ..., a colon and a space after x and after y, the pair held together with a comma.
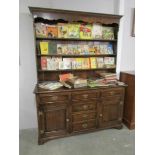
x: 101, y: 115
x: 85, y: 106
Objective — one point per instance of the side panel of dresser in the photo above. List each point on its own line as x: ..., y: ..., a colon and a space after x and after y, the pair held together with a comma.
x: 53, y: 115
x: 129, y: 102
x: 111, y: 108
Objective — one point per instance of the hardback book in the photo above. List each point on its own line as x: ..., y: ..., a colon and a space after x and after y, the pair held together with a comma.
x: 85, y: 49
x: 97, y: 31
x: 62, y: 30
x: 43, y: 63
x: 52, y: 31
x: 40, y: 29
x: 97, y: 48
x: 44, y: 47
x: 59, y: 48
x: 85, y: 63
x: 64, y: 48
x: 86, y: 31
x: 91, y: 49
x: 71, y: 49
x: 57, y: 61
x: 67, y: 64
x: 93, y: 63
x: 52, y: 47
x: 108, y: 33
x: 104, y: 48
x: 110, y: 48
x: 78, y: 63
x: 100, y: 62
x: 73, y: 30
x: 65, y: 77
x: 109, y: 61
x: 51, y: 65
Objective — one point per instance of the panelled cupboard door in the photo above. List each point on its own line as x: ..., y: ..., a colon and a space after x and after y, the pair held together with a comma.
x: 53, y: 120
x: 110, y: 111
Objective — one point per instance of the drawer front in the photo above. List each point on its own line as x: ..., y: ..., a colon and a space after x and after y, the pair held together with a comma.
x: 112, y: 92
x: 83, y: 107
x: 53, y: 97
x: 84, y: 95
x: 112, y: 100
x: 83, y: 116
x: 84, y: 125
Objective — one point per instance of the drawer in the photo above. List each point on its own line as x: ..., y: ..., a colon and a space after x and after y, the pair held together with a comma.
x: 112, y: 100
x: 83, y: 116
x: 112, y: 92
x: 83, y: 107
x: 84, y: 126
x: 84, y: 95
x: 53, y: 97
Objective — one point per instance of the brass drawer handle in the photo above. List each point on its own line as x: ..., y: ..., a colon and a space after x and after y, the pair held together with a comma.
x: 112, y: 93
x: 54, y: 97
x: 67, y: 120
x: 41, y: 131
x: 121, y: 102
x: 85, y: 115
x: 85, y: 95
x: 120, y: 119
x: 101, y: 115
x: 84, y: 125
x: 40, y: 113
x: 85, y: 106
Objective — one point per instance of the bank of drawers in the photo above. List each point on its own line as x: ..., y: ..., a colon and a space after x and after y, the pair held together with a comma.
x: 84, y: 110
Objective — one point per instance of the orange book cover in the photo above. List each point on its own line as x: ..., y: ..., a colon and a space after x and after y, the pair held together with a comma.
x: 52, y: 31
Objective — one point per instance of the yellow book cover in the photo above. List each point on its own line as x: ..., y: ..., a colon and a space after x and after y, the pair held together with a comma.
x: 85, y: 31
x: 78, y: 63
x: 93, y: 62
x: 44, y: 47
x: 62, y: 30
x: 85, y: 63
x: 73, y: 30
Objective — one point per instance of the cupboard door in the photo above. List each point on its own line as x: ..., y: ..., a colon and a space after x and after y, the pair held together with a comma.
x: 110, y: 112
x: 54, y: 120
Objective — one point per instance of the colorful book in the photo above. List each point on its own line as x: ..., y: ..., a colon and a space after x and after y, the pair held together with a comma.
x: 78, y: 63
x: 44, y: 47
x: 40, y: 29
x: 110, y: 48
x: 85, y: 63
x: 103, y: 48
x: 73, y: 30
x: 65, y: 77
x: 43, y: 63
x: 109, y: 60
x: 64, y: 48
x: 97, y: 31
x: 108, y: 33
x: 67, y: 63
x: 85, y: 31
x: 97, y: 48
x: 93, y: 63
x: 62, y: 30
x: 52, y: 47
x: 59, y: 48
x: 52, y: 31
x: 100, y: 62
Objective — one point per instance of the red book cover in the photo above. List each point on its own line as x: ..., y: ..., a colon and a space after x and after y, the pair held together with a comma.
x: 43, y: 63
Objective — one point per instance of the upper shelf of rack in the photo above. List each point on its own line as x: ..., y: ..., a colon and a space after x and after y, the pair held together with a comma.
x: 74, y: 15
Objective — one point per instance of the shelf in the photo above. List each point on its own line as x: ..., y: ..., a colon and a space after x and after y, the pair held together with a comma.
x: 90, y: 55
x: 76, y: 39
x: 64, y: 70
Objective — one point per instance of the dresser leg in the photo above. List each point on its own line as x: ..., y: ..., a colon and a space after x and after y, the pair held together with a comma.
x: 40, y: 142
x: 119, y: 127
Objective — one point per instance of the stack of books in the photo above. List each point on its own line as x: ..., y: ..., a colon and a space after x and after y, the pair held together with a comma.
x: 50, y: 85
x: 109, y: 77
